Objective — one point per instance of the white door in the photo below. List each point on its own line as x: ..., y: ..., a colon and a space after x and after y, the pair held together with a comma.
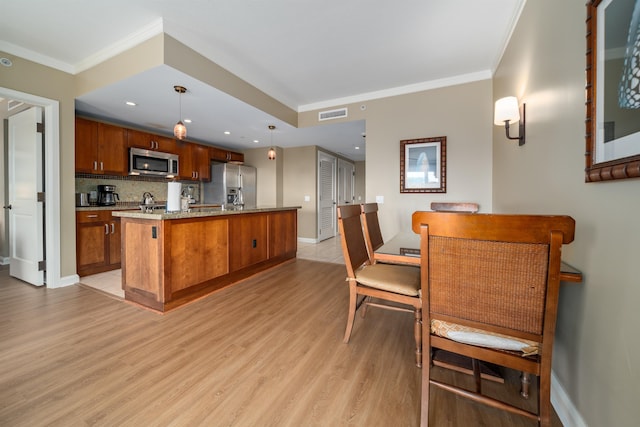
x: 326, y: 196
x: 25, y: 181
x: 346, y: 182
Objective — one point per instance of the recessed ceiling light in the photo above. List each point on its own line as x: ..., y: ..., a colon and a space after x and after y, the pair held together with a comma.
x: 6, y: 62
x: 256, y: 141
x: 187, y: 120
x: 131, y: 103
x: 357, y: 148
x: 226, y: 132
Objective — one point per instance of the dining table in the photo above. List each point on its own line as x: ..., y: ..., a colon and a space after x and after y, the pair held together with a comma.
x: 404, y: 248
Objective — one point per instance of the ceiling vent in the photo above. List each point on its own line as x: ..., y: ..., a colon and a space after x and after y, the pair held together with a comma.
x: 332, y: 114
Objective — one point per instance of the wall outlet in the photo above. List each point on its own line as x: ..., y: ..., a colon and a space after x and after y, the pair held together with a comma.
x: 380, y: 199
x: 307, y: 198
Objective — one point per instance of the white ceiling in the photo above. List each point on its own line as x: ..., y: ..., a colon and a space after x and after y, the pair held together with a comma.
x: 306, y: 54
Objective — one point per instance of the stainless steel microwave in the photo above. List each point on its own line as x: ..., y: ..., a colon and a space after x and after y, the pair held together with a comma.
x: 149, y: 162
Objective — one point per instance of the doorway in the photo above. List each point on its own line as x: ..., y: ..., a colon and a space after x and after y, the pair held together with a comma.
x: 51, y: 177
x: 326, y: 196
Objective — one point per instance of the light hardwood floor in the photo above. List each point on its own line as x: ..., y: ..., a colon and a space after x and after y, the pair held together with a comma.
x: 265, y: 352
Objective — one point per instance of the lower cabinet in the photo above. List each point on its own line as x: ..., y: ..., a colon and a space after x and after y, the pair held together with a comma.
x: 97, y: 242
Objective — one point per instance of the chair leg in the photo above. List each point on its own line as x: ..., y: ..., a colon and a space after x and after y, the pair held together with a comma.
x: 426, y: 372
x: 353, y: 297
x: 544, y: 400
x: 417, y: 332
x: 363, y: 310
x: 525, y: 380
x: 475, y: 363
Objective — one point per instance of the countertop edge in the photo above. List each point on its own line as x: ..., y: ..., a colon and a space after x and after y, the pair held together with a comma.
x: 197, y: 214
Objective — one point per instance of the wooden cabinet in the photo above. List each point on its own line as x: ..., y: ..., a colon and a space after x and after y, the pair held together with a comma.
x: 169, y: 262
x: 195, y: 162
x: 97, y: 242
x: 249, y: 244
x: 148, y: 141
x: 225, y: 156
x: 100, y: 148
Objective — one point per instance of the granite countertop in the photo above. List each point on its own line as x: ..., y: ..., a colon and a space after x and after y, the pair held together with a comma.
x: 196, y: 211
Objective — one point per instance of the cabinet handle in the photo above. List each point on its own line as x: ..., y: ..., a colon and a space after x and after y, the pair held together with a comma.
x: 106, y: 229
x: 101, y: 166
x: 95, y: 165
x: 92, y: 216
x: 113, y: 228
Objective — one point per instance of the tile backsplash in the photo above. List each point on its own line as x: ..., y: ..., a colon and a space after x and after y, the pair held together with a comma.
x: 130, y: 191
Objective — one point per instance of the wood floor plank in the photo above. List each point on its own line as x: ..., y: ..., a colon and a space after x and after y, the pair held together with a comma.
x: 267, y: 351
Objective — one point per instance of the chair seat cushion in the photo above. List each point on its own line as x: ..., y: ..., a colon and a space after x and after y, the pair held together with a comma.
x: 473, y: 336
x: 401, y: 279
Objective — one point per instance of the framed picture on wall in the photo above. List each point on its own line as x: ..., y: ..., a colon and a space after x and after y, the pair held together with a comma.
x: 423, y: 165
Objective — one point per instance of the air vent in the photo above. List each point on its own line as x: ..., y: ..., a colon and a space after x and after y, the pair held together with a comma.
x: 332, y: 114
x: 12, y: 104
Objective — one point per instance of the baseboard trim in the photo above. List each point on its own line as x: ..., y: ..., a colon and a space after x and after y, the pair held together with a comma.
x: 4, y: 260
x: 66, y: 281
x: 307, y: 240
x: 563, y: 405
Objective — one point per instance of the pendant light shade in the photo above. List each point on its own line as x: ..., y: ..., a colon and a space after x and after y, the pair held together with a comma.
x: 271, y: 155
x: 180, y: 130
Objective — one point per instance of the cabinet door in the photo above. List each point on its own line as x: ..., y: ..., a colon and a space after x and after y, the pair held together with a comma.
x: 249, y: 243
x: 112, y: 150
x: 218, y: 154
x: 283, y: 233
x: 201, y: 162
x: 86, y: 143
x: 91, y: 251
x: 186, y: 161
x: 148, y: 141
x: 236, y: 157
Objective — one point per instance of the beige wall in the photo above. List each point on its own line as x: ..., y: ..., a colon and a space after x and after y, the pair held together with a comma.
x: 597, y: 347
x: 462, y: 113
x: 31, y: 78
x: 300, y: 180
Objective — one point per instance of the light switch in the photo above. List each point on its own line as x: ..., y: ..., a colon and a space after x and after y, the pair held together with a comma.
x: 380, y: 199
x: 307, y: 198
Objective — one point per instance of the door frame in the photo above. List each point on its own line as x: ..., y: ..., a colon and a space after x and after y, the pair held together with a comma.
x: 52, y: 180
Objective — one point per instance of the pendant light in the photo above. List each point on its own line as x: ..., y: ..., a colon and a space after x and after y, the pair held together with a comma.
x: 180, y: 130
x: 272, y: 152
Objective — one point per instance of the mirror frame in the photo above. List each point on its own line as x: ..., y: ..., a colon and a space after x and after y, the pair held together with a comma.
x: 623, y: 168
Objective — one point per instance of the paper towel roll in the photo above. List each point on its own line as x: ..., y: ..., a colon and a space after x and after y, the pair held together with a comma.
x: 173, y: 196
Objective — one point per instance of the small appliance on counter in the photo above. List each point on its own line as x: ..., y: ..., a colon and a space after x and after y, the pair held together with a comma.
x: 82, y: 199
x: 107, y: 195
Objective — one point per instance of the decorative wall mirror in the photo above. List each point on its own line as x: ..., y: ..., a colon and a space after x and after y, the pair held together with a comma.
x: 613, y: 90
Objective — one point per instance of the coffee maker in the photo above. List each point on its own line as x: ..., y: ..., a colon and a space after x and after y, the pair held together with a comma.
x: 107, y: 195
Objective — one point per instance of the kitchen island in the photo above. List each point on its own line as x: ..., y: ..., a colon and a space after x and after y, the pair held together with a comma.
x: 172, y: 258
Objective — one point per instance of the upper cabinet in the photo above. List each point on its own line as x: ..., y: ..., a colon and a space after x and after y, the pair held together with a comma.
x: 150, y: 141
x: 195, y: 162
x: 104, y: 149
x: 225, y: 156
x: 100, y: 148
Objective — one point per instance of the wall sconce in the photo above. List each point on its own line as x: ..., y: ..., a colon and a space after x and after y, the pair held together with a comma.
x: 271, y: 155
x: 507, y: 112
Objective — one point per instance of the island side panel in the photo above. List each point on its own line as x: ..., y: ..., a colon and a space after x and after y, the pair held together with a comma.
x: 142, y: 242
x: 283, y: 234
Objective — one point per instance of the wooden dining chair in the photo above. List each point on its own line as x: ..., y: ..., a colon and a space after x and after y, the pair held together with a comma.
x: 490, y: 286
x: 455, y: 207
x: 371, y: 226
x: 383, y: 283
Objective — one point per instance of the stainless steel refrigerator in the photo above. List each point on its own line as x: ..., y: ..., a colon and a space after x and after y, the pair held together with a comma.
x: 231, y: 185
